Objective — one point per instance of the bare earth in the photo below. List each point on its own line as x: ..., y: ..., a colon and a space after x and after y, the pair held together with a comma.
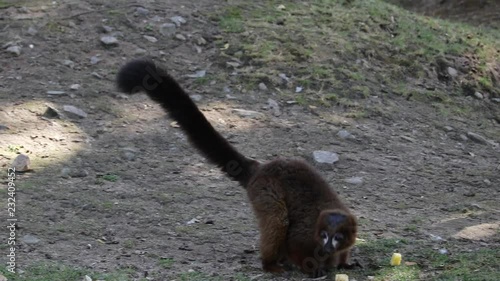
x: 136, y: 182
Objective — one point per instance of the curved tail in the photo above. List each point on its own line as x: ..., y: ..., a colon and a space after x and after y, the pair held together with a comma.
x: 145, y: 75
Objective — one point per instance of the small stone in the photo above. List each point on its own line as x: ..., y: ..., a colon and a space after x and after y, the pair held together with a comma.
x: 321, y: 156
x: 477, y: 138
x: 344, y: 134
x: 478, y: 95
x: 248, y: 113
x: 21, y: 163
x: 497, y: 100
x: 140, y: 52
x: 443, y: 251
x: 198, y: 74
x: 284, y: 77
x: 180, y: 37
x: 94, y: 60
x: 51, y: 112
x: 32, y: 31
x: 129, y: 154
x: 281, y: 7
x: 74, y: 112
x: 151, y: 39
x: 201, y: 41
x: 97, y: 75
x: 448, y: 128
x: 69, y: 63
x: 274, y: 106
x: 65, y: 172
x: 487, y: 181
x: 78, y: 173
x: 56, y: 93
x: 140, y: 11
x: 87, y: 278
x: 109, y: 40
x: 75, y: 87
x: 16, y: 50
x: 409, y: 139
x: 178, y: 20
x: 193, y: 221
x: 30, y: 239
x: 168, y: 29
x: 452, y: 71
x: 262, y: 87
x: 298, y: 89
x: 106, y: 29
x: 354, y: 180
x: 196, y: 97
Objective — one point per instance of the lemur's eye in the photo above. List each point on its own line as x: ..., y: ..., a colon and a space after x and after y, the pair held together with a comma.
x: 338, y: 236
x: 324, y: 236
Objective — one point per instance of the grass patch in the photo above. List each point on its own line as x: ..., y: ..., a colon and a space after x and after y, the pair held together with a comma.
x: 110, y: 177
x: 166, y: 262
x: 351, y: 49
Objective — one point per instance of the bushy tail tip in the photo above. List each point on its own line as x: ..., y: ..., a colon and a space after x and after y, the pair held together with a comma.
x: 138, y: 75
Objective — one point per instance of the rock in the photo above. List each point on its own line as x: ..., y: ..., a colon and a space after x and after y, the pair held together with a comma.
x: 87, y: 278
x: 69, y: 63
x: 193, y: 221
x: 97, y: 75
x: 248, y: 113
x: 196, y: 97
x: 129, y: 154
x: 452, y: 71
x: 180, y: 37
x: 16, y: 50
x: 94, y: 60
x: 139, y: 52
x: 443, y: 251
x: 140, y: 11
x: 201, y: 41
x: 354, y: 180
x: 198, y: 74
x: 479, y: 95
x: 30, y: 239
x: 344, y: 134
x: 321, y: 156
x: 284, y: 77
x: 109, y: 40
x: 298, y: 89
x: 65, y: 172
x: 448, y: 128
x: 150, y: 38
x: 497, y: 100
x: 477, y: 138
x: 178, y: 20
x: 78, y: 173
x: 106, y: 29
x: 262, y: 87
x: 487, y: 181
x: 32, y: 31
x: 51, y: 112
x: 75, y: 87
x: 21, y: 163
x: 74, y: 112
x: 168, y: 29
x: 274, y: 106
x: 409, y: 139
x: 56, y: 93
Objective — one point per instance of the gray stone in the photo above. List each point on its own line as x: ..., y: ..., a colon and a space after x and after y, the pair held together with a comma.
x: 477, y: 138
x: 109, y: 40
x: 497, y: 100
x: 262, y: 87
x: 344, y: 134
x: 30, y: 239
x: 94, y: 60
x: 354, y: 180
x: 178, y: 20
x: 151, y: 39
x: 168, y: 29
x: 274, y: 106
x: 198, y: 74
x: 75, y: 87
x: 298, y: 89
x: 21, y: 163
x: 284, y: 77
x: 65, y: 172
x: 180, y: 37
x: 56, y: 93
x: 140, y: 51
x: 452, y: 71
x: 448, y: 128
x: 201, y: 41
x: 51, y: 112
x: 409, y: 139
x: 248, y: 113
x: 97, y: 75
x: 74, y: 112
x: 32, y: 31
x: 16, y: 50
x: 129, y: 153
x: 78, y: 173
x: 196, y: 97
x: 69, y: 63
x: 479, y: 95
x: 107, y: 29
x: 325, y: 157
x: 140, y: 11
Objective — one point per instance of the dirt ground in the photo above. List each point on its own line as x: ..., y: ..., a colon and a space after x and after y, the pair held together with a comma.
x: 121, y: 189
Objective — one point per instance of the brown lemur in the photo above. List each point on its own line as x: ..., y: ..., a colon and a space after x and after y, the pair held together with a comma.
x: 301, y: 220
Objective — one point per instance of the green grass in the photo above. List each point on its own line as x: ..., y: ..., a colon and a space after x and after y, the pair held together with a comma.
x: 166, y: 262
x: 110, y: 177
x: 351, y: 48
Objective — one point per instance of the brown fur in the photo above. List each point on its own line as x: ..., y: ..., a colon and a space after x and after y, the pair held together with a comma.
x: 294, y: 205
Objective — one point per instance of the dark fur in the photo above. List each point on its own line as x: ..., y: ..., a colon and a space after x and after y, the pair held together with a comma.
x: 294, y: 205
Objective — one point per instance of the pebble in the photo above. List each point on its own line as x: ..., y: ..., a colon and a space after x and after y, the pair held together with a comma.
x: 32, y: 31
x: 140, y: 11
x: 443, y: 251
x: 69, y: 63
x: 151, y: 39
x: 321, y: 156
x: 178, y: 20
x: 65, y: 172
x: 78, y: 173
x: 74, y: 112
x: 180, y: 37
x: 51, y: 112
x: 354, y: 180
x: 140, y: 51
x: 94, y: 60
x: 97, y: 75
x: 129, y: 153
x: 344, y: 134
x: 75, y: 87
x: 56, y: 93
x: 87, y: 278
x: 193, y: 221
x: 196, y: 97
x: 298, y: 89
x: 247, y: 113
x: 262, y: 87
x: 452, y: 71
x: 478, y: 95
x: 406, y: 138
x: 284, y: 77
x: 274, y: 106
x: 21, y: 163
x: 198, y: 74
x: 107, y: 29
x: 201, y: 41
x: 497, y: 100
x: 16, y: 50
x: 30, y: 239
x: 109, y: 40
x: 448, y: 128
x: 168, y: 29
x: 477, y: 138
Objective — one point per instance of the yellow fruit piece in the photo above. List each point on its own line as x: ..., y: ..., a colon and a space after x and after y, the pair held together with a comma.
x: 396, y: 259
x: 341, y: 277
